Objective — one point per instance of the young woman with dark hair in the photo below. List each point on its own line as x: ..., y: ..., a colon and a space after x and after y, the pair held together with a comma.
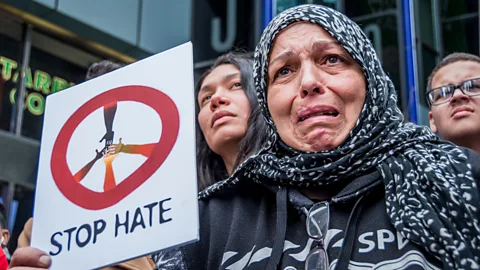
x: 228, y: 113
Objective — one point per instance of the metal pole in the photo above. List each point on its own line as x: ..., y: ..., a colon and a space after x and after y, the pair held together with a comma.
x: 267, y: 12
x: 7, y: 203
x: 411, y: 59
x: 20, y: 99
x: 401, y: 49
x: 258, y: 21
x: 139, y: 22
x: 437, y: 28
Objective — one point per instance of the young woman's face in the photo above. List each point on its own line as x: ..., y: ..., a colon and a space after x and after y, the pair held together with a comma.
x: 224, y: 108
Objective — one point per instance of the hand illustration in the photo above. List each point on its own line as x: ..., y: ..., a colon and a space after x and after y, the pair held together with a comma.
x: 109, y: 111
x: 109, y: 182
x: 108, y: 158
x: 85, y: 169
x: 115, y: 148
x: 108, y: 137
x: 99, y: 155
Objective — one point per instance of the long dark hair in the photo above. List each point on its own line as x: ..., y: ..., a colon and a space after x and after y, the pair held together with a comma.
x: 210, y: 166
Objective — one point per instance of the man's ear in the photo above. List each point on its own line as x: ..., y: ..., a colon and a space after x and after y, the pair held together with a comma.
x: 433, y: 126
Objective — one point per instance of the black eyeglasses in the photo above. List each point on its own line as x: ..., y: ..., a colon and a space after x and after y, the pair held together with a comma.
x: 317, y: 227
x: 443, y: 94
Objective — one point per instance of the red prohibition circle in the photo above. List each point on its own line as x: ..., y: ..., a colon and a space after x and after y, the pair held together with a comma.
x: 88, y: 199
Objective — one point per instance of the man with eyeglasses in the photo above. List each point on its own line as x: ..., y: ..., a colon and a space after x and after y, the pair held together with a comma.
x: 453, y: 93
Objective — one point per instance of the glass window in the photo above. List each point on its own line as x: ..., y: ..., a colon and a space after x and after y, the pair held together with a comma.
x: 427, y: 51
x: 47, y: 74
x: 382, y: 29
x: 117, y: 18
x: 10, y: 52
x: 53, y: 66
x: 282, y: 5
x: 453, y: 8
x: 460, y: 26
x: 220, y: 26
x: 176, y: 14
x: 355, y: 8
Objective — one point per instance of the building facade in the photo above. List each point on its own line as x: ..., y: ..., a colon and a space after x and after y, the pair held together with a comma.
x: 46, y: 46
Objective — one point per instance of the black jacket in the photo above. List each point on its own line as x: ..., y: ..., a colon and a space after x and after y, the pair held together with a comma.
x: 251, y: 226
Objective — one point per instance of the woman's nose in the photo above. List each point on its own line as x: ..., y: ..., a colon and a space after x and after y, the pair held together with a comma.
x: 310, y: 83
x: 218, y: 100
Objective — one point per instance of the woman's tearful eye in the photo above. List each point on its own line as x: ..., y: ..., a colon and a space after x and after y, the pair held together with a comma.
x: 333, y: 59
x: 283, y: 72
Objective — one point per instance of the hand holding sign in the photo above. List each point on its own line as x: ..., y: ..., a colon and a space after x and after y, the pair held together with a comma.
x: 29, y: 258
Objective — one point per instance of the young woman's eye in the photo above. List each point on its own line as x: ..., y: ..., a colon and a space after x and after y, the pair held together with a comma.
x: 206, y: 98
x: 237, y: 85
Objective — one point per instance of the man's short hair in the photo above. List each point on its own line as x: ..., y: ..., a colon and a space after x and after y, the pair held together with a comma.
x: 100, y: 68
x: 449, y: 59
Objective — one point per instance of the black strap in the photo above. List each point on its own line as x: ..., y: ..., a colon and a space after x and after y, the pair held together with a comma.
x: 349, y: 238
x: 280, y: 229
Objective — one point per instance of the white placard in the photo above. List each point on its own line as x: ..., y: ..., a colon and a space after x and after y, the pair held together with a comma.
x: 93, y: 210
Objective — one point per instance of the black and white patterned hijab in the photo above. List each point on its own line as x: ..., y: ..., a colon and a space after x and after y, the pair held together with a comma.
x: 431, y: 196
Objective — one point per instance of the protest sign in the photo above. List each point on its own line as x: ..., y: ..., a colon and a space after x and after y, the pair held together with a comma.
x: 117, y: 170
